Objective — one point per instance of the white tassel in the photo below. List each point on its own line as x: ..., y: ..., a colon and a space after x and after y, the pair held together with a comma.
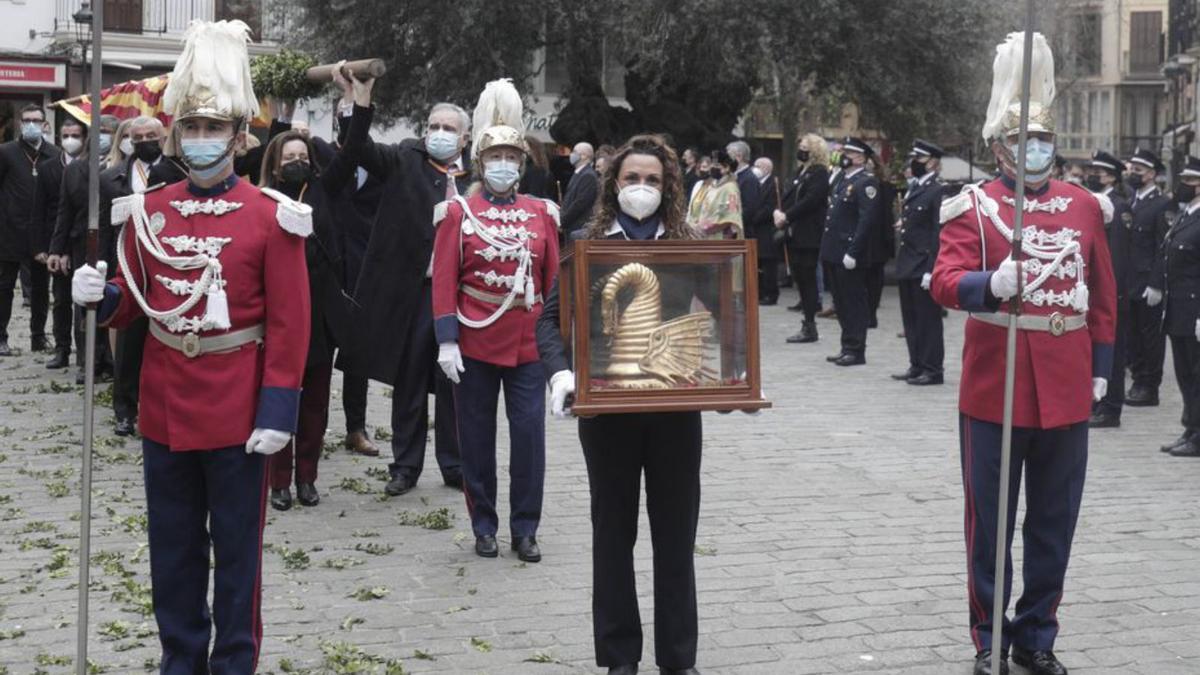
x: 529, y: 295
x: 1081, y: 297
x: 216, y: 311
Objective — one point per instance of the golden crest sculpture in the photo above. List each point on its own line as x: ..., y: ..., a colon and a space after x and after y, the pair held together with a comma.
x: 647, y: 353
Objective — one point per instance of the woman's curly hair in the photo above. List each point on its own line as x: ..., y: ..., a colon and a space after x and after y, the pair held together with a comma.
x: 670, y: 211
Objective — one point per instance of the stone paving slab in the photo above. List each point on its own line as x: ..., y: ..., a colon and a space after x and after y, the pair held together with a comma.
x: 830, y: 540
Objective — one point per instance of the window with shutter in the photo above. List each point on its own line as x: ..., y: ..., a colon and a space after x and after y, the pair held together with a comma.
x: 1145, y: 42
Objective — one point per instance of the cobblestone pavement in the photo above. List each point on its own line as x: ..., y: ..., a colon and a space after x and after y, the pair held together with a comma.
x: 830, y: 541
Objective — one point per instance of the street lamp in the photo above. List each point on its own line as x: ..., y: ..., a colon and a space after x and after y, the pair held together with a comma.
x: 83, y: 30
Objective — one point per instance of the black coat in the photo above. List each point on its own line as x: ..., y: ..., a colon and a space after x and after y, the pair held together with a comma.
x: 580, y: 200
x: 1120, y: 243
x: 1150, y: 227
x: 1181, y: 262
x: 167, y: 171
x: 70, y: 231
x: 18, y: 162
x: 764, y: 220
x: 45, y: 202
x: 392, y: 280
x: 752, y: 197
x: 920, y: 227
x: 805, y: 201
x: 536, y: 181
x: 852, y: 219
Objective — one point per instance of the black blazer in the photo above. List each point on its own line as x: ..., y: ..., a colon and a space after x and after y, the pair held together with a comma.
x: 920, y: 227
x: 392, y: 280
x: 18, y: 161
x: 45, y: 202
x: 580, y: 200
x: 70, y: 230
x: 1149, y: 227
x: 854, y: 212
x: 752, y: 195
x: 805, y: 201
x: 1120, y: 244
x: 1181, y: 262
x: 535, y: 181
x: 764, y: 220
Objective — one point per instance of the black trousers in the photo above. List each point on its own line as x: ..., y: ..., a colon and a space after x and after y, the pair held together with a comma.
x: 1147, y: 344
x: 922, y: 319
x: 39, y: 297
x: 1114, y: 401
x: 768, y: 279
x: 419, y: 375
x: 1185, y: 352
x: 804, y: 264
x: 354, y: 402
x: 853, y: 306
x: 618, y: 449
x: 61, y: 313
x: 874, y: 280
x: 127, y: 368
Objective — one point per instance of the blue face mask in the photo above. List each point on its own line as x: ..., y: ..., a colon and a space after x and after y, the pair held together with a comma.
x: 1039, y: 158
x: 205, y: 157
x: 31, y: 132
x: 501, y: 175
x: 442, y: 145
x: 105, y: 143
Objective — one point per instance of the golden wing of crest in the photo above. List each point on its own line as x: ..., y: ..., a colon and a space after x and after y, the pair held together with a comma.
x: 676, y: 350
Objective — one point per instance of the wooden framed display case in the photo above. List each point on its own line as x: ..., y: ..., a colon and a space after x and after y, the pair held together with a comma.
x: 659, y: 326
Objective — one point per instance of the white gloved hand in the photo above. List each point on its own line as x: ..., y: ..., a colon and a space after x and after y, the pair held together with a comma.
x: 926, y: 280
x: 1004, y: 280
x: 562, y: 385
x: 1198, y: 330
x: 267, y: 441
x: 848, y: 262
x: 1152, y: 296
x: 1099, y: 388
x: 87, y: 284
x: 450, y: 360
x: 779, y: 217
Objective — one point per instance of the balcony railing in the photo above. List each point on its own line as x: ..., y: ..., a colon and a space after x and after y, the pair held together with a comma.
x: 171, y: 17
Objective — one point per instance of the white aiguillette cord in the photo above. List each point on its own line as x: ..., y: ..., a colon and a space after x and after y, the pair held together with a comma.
x: 521, y: 279
x: 217, y: 309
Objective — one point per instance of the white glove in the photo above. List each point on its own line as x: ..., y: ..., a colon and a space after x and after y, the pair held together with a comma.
x: 848, y: 262
x: 87, y: 284
x: 267, y: 441
x: 1152, y: 296
x: 562, y: 385
x: 779, y: 217
x: 926, y: 279
x: 1004, y: 279
x: 1198, y: 330
x: 1099, y: 388
x: 450, y: 360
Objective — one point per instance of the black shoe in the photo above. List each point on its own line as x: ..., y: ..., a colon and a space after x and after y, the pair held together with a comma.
x: 125, y: 427
x: 527, y: 549
x: 925, y: 379
x: 453, y: 479
x: 399, y: 484
x: 835, y: 357
x: 485, y: 546
x: 61, y: 360
x: 873, y: 323
x: 627, y: 669
x: 807, y: 334
x: 1187, y: 436
x: 281, y: 500
x: 798, y: 307
x: 850, y: 360
x: 1103, y: 420
x: 39, y: 344
x: 906, y: 375
x: 5, y: 350
x: 983, y: 663
x: 768, y: 302
x: 1038, y: 662
x: 306, y: 494
x: 678, y: 671
x: 1140, y: 396
x: 1189, y: 449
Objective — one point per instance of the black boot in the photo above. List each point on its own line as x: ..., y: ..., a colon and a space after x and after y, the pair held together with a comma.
x: 808, y: 333
x: 61, y: 359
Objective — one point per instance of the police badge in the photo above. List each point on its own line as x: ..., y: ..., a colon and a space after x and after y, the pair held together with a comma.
x: 1127, y: 219
x: 871, y: 191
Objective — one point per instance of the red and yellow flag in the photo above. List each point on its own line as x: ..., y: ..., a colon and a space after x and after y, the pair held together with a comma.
x: 133, y: 99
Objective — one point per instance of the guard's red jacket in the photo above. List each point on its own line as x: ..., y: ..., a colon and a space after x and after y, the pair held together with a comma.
x: 215, y: 400
x: 463, y: 260
x: 1053, y: 374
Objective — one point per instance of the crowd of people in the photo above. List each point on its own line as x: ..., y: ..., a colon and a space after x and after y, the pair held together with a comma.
x: 431, y: 266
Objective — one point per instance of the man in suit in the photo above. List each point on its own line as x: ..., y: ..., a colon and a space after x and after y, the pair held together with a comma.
x: 1104, y: 178
x: 393, y: 298
x: 581, y: 194
x: 73, y: 141
x: 748, y: 185
x: 18, y: 175
x: 764, y: 232
x: 1147, y: 344
x: 919, y: 228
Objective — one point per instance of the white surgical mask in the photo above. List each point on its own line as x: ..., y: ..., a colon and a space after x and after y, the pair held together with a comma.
x: 501, y: 175
x: 1039, y: 158
x: 31, y: 131
x: 105, y: 143
x: 758, y: 173
x: 126, y: 146
x: 442, y: 145
x: 72, y: 145
x: 574, y: 159
x: 639, y: 201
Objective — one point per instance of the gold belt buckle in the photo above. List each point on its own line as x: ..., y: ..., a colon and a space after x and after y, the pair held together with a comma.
x: 191, y: 345
x: 1058, y: 324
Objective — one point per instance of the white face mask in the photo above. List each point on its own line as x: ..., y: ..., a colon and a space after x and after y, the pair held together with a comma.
x: 501, y: 175
x: 126, y: 146
x: 442, y: 145
x: 72, y: 145
x: 758, y: 173
x: 639, y: 201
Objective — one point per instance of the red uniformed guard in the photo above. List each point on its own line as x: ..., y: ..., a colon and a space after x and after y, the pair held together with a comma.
x: 218, y: 266
x: 494, y: 256
x: 1064, y: 352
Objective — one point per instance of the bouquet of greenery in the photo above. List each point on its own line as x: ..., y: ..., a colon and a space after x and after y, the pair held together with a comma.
x: 283, y: 76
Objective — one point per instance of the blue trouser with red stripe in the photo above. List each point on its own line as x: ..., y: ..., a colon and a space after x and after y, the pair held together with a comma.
x: 197, y: 500
x: 1055, y: 464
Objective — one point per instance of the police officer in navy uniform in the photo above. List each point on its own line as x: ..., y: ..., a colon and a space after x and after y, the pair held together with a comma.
x: 854, y: 203
x: 1176, y: 279
x: 1104, y: 178
x: 1150, y: 223
x: 919, y: 228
